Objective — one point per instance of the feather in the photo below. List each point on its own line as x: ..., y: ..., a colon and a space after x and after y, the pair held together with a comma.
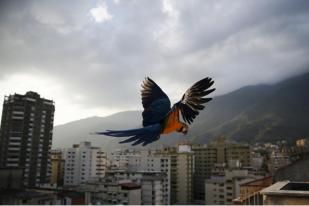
x: 143, y: 135
x: 191, y: 102
x: 155, y: 102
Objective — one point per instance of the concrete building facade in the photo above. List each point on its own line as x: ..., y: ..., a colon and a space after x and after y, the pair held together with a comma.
x: 120, y: 159
x: 286, y: 193
x: 153, y: 162
x: 26, y: 136
x: 277, y: 160
x: 181, y: 172
x: 153, y: 184
x: 206, y: 156
x: 250, y: 191
x: 224, y: 184
x: 109, y: 191
x: 185, y: 172
x: 83, y: 162
x: 57, y: 168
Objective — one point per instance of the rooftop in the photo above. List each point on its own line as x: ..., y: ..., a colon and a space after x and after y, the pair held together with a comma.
x: 287, y: 188
x: 258, y: 182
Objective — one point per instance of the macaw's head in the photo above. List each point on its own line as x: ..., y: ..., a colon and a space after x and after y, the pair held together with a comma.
x: 184, y: 129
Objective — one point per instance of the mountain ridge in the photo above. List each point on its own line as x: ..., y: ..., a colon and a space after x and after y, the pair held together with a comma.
x: 251, y: 113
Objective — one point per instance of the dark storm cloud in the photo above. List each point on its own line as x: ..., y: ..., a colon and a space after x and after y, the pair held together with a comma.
x: 175, y: 42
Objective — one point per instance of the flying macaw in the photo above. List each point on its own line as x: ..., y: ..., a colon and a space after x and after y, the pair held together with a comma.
x: 158, y: 115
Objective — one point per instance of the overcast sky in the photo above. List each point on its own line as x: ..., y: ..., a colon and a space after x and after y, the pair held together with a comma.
x: 91, y: 56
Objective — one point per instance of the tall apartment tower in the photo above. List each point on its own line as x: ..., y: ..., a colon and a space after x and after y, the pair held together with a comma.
x: 206, y: 156
x: 57, y: 167
x: 26, y: 136
x: 185, y: 173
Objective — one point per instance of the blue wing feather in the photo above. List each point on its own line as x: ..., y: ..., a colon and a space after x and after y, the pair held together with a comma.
x: 155, y: 102
x: 156, y: 111
x: 143, y: 135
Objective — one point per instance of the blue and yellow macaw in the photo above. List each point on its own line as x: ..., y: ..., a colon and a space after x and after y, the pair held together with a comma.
x: 158, y: 115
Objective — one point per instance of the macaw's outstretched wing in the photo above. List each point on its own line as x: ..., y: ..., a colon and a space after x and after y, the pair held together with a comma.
x: 142, y: 136
x: 191, y: 102
x: 155, y: 102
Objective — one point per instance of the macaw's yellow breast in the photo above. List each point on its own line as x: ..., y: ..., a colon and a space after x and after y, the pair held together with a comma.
x: 172, y: 123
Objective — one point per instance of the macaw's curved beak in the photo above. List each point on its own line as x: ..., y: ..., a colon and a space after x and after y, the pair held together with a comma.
x: 185, y: 131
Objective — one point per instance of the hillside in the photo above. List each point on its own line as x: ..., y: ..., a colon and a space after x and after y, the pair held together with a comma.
x: 264, y: 113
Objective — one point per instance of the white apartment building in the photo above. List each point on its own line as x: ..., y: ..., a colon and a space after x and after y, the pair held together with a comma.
x: 120, y: 158
x: 150, y: 161
x: 144, y: 161
x: 110, y: 191
x: 184, y: 175
x: 154, y: 191
x: 83, y: 162
x: 153, y: 184
x: 224, y: 184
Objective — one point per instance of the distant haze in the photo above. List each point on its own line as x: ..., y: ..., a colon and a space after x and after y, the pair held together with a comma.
x: 90, y: 57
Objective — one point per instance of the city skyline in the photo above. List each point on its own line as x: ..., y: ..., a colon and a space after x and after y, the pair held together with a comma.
x: 91, y: 56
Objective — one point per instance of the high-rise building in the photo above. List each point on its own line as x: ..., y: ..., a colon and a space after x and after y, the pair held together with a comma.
x: 206, y: 156
x: 205, y: 159
x: 57, y: 168
x: 161, y: 163
x: 185, y: 172
x: 181, y: 172
x: 26, y: 136
x: 83, y: 162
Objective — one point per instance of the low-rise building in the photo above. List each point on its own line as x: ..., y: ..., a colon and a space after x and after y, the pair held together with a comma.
x: 297, y: 171
x: 302, y: 143
x: 286, y: 193
x: 13, y: 192
x: 224, y: 184
x: 250, y: 191
x: 277, y: 160
x: 154, y: 188
x: 109, y: 191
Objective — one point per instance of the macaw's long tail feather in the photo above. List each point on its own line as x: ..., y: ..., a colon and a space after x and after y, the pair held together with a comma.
x: 122, y: 133
x: 142, y: 136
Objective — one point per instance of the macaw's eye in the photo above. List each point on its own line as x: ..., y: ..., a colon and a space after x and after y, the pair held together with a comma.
x: 180, y: 129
